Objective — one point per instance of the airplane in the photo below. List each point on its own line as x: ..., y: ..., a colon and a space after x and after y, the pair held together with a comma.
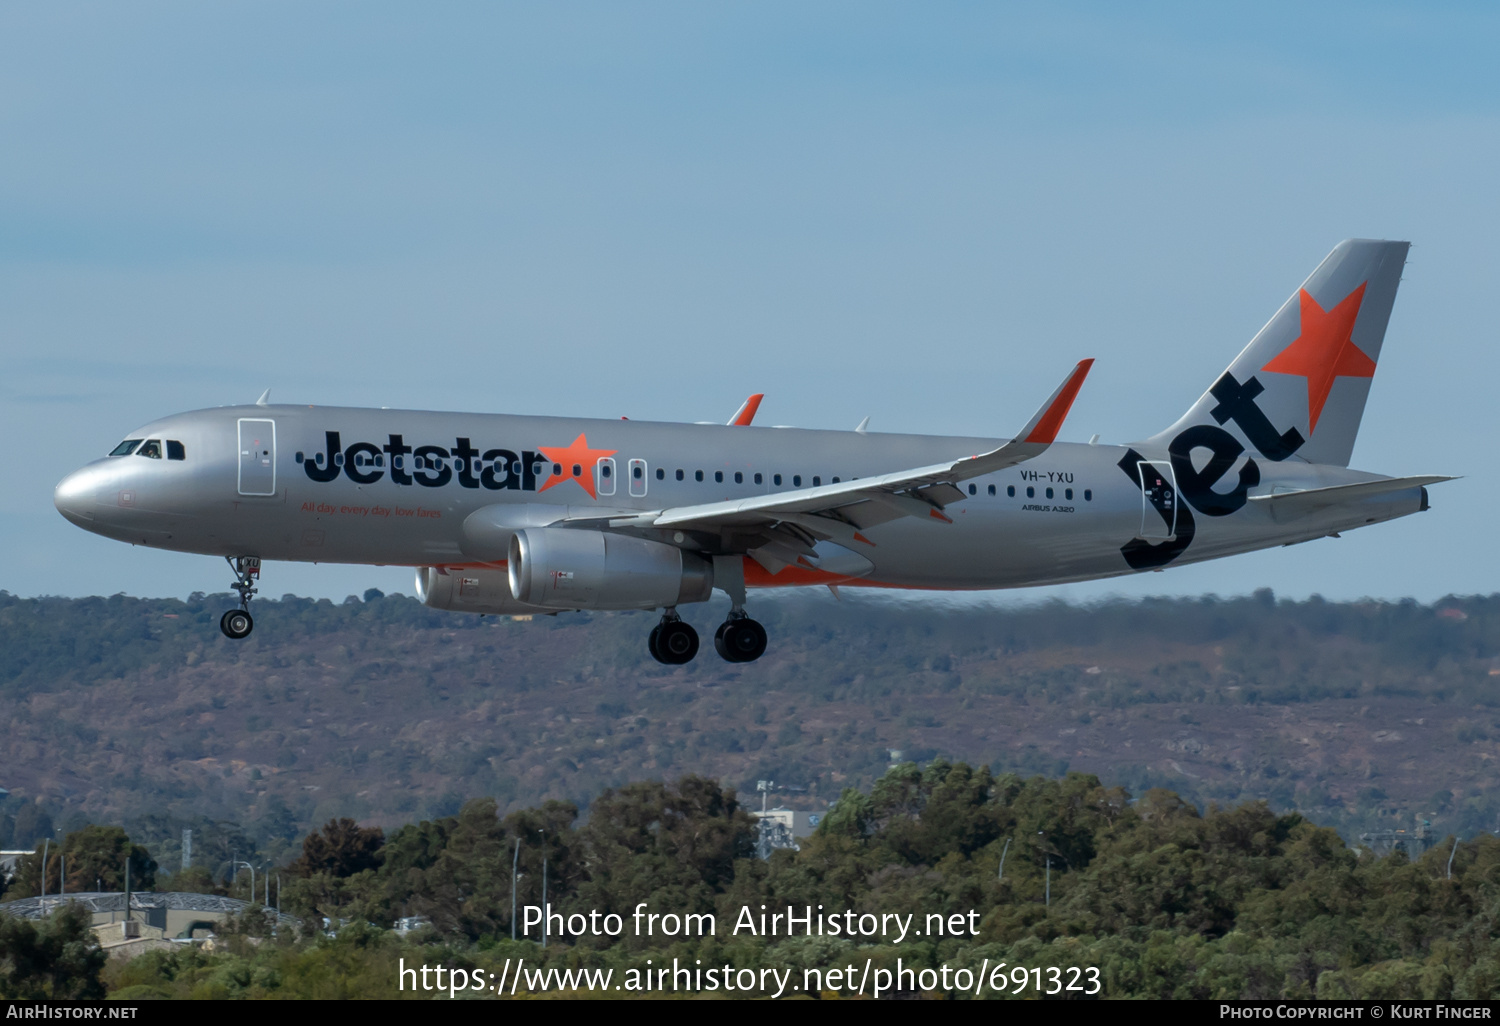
x: 516, y: 515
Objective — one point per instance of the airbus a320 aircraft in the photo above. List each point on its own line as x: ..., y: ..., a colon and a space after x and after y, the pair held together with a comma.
x: 515, y: 515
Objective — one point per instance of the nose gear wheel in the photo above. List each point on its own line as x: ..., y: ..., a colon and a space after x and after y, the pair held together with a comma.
x: 237, y: 623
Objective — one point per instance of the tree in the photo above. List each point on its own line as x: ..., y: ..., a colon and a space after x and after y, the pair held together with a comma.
x: 342, y: 848
x: 56, y: 958
x: 95, y: 859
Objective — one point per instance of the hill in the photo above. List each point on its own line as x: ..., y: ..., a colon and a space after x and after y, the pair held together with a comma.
x: 130, y: 710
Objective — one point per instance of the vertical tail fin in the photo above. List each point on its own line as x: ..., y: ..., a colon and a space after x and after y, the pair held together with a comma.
x: 1299, y: 388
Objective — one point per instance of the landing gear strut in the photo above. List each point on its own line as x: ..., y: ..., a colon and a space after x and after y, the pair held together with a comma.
x: 237, y: 623
x: 740, y: 639
x: 672, y: 641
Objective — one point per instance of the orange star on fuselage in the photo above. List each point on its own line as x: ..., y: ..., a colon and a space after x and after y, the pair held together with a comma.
x: 577, y: 455
x: 1324, y: 351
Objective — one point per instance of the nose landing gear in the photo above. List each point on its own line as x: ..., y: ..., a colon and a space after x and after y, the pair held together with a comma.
x: 672, y: 641
x: 237, y: 623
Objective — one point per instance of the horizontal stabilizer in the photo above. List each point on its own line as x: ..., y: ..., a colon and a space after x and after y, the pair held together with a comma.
x: 1288, y: 505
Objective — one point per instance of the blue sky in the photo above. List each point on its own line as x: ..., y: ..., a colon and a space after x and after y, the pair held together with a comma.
x: 911, y: 212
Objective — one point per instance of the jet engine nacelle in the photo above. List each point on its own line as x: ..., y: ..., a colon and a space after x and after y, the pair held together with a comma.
x: 561, y: 568
x: 470, y: 591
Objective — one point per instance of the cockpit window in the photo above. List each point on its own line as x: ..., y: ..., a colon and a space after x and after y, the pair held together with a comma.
x: 175, y: 451
x: 150, y: 449
x: 126, y: 447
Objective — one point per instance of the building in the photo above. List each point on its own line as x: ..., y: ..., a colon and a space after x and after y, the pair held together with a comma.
x: 155, y: 919
x: 782, y: 828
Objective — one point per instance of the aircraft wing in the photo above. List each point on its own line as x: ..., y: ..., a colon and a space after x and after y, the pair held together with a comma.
x: 837, y: 511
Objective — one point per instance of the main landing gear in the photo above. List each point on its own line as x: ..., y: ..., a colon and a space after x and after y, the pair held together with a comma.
x: 739, y: 639
x: 672, y: 641
x: 237, y: 623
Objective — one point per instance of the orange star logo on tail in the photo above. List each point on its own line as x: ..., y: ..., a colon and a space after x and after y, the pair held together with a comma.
x: 577, y: 462
x: 1325, y: 350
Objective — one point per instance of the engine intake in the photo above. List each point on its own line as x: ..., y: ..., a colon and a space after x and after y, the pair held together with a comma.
x: 565, y: 569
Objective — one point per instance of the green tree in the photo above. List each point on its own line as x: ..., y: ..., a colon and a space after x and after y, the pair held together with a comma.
x: 342, y: 848
x: 95, y: 859
x: 56, y: 958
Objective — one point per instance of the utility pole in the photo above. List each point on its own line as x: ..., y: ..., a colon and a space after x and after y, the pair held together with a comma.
x: 544, y: 889
x: 1048, y: 856
x: 252, y: 876
x: 514, y: 862
x: 763, y: 840
x: 46, y: 845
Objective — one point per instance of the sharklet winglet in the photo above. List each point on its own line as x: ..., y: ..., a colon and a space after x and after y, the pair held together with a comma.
x: 1043, y: 427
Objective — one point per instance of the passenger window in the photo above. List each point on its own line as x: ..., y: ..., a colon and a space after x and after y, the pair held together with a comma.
x: 776, y: 480
x: 992, y: 489
x: 697, y: 475
x: 1030, y: 492
x: 635, y: 472
x: 151, y: 449
x: 126, y: 447
x: 835, y: 480
x: 679, y: 475
x: 1049, y: 493
x: 757, y: 479
x: 1088, y: 495
x: 1010, y: 490
x: 661, y: 475
x: 605, y: 470
x: 719, y: 476
x: 739, y: 478
x: 796, y: 480
x: 973, y: 489
x: 1068, y: 493
x: 817, y: 481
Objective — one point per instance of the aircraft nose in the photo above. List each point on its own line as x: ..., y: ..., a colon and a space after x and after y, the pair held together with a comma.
x: 77, y: 495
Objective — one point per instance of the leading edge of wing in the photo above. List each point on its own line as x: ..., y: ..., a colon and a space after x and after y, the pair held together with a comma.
x: 899, y: 491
